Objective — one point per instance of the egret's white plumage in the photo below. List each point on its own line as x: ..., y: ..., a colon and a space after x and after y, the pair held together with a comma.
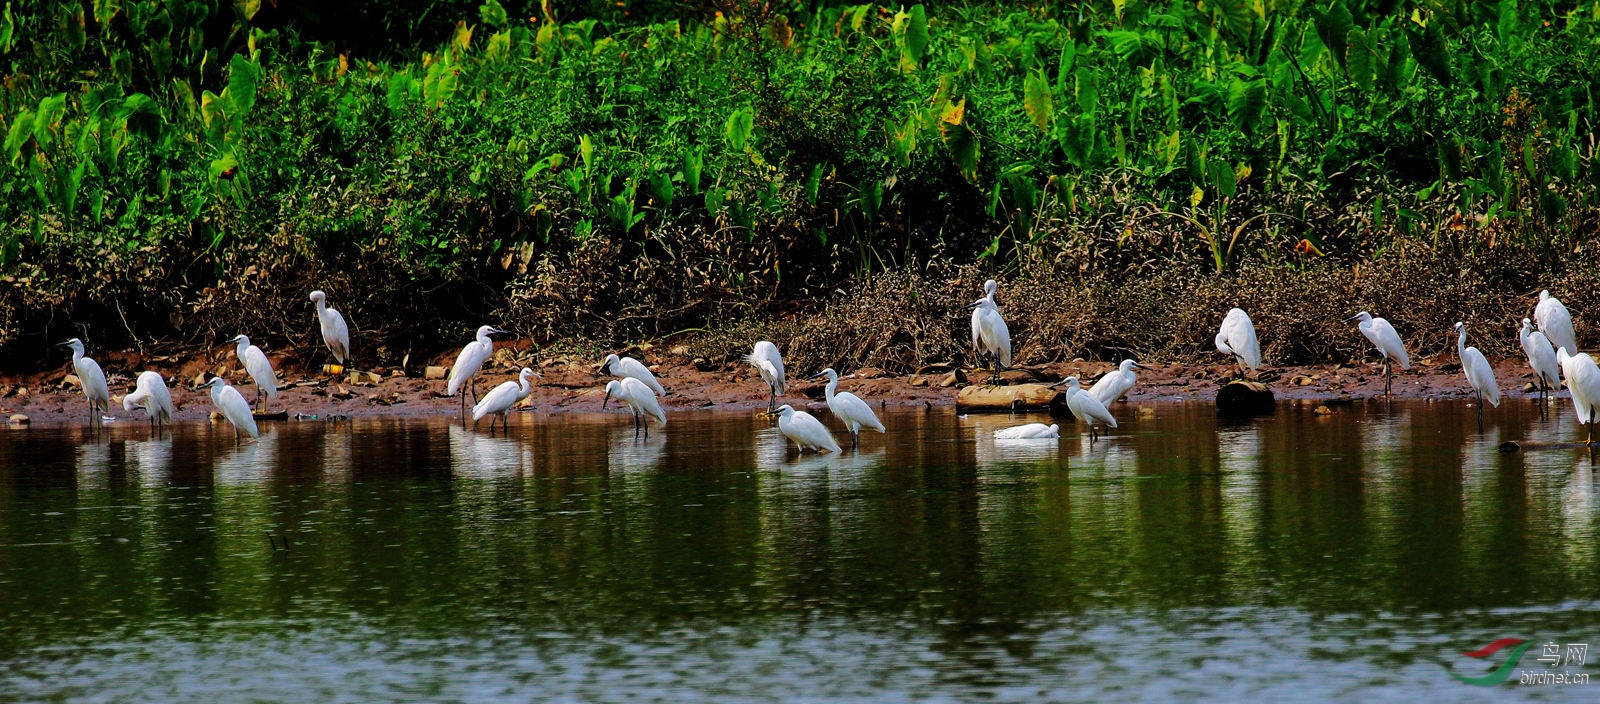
x: 1583, y: 380
x: 92, y: 379
x: 334, y: 332
x: 1541, y: 357
x: 1116, y: 382
x: 469, y: 361
x: 990, y: 336
x: 1086, y: 408
x: 503, y: 397
x: 769, y: 364
x: 1382, y: 335
x: 150, y: 393
x: 1478, y: 372
x: 641, y: 399
x: 1237, y: 338
x: 628, y: 367
x: 259, y: 367
x: 805, y: 430
x: 233, y: 407
x: 1030, y: 431
x: 1555, y: 322
x: 849, y: 407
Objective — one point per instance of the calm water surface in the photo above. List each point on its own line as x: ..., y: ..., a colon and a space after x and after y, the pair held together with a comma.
x: 1293, y: 557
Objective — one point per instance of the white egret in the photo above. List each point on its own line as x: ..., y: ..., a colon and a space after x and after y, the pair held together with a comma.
x: 640, y: 399
x: 628, y: 367
x: 1478, y: 372
x: 1237, y: 338
x: 1541, y: 358
x: 334, y: 332
x: 769, y: 364
x: 260, y: 370
x: 1031, y: 431
x: 990, y: 336
x: 92, y: 379
x: 805, y: 430
x: 1383, y: 336
x: 849, y: 408
x: 468, y: 362
x: 501, y: 398
x: 150, y: 393
x: 1555, y: 322
x: 233, y: 407
x: 1086, y: 408
x: 1583, y: 380
x: 1116, y: 382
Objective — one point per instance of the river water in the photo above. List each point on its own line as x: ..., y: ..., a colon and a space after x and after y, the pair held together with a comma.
x: 1291, y: 557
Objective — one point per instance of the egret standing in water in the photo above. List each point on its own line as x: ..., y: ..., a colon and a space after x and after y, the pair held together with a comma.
x: 640, y: 399
x: 1237, y: 338
x: 1555, y: 322
x: 805, y: 430
x: 628, y: 367
x: 150, y: 393
x: 1085, y: 407
x: 990, y: 337
x: 502, y: 398
x: 1116, y: 382
x: 260, y: 370
x: 849, y: 408
x: 1541, y: 358
x: 1031, y: 431
x: 1383, y: 336
x: 335, y: 334
x: 233, y: 407
x: 468, y: 362
x: 1583, y: 381
x: 1478, y: 372
x: 769, y: 364
x: 92, y: 379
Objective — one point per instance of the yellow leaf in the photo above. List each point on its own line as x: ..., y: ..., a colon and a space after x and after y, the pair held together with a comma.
x: 1198, y: 195
x: 955, y: 112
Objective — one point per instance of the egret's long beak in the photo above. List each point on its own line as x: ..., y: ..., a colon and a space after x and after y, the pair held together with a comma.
x: 63, y: 344
x: 815, y: 377
x: 608, y: 400
x: 1353, y: 317
x: 972, y: 305
x: 1137, y: 365
x: 603, y: 368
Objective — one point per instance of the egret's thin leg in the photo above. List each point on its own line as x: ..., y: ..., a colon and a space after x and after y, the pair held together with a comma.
x: 1591, y: 425
x: 1479, y: 396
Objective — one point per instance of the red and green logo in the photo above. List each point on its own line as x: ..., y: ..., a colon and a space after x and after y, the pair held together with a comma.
x: 1501, y: 673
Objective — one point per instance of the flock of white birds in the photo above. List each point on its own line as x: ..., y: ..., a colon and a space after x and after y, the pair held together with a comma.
x: 1551, y: 350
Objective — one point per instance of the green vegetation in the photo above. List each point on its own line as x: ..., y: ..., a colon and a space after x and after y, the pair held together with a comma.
x: 614, y: 178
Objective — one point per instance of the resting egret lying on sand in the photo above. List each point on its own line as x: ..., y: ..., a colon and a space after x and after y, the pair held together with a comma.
x: 1237, y: 338
x: 1388, y: 342
x: 640, y: 399
x: 1116, y: 383
x: 1541, y: 357
x: 1031, y: 431
x: 1583, y: 380
x: 849, y: 408
x: 628, y: 367
x: 150, y: 393
x: 260, y: 369
x: 468, y: 362
x: 1087, y: 408
x: 990, y: 336
x: 92, y: 379
x: 769, y: 364
x: 1555, y: 322
x: 233, y: 407
x: 806, y: 431
x: 502, y: 398
x: 335, y: 333
x: 1478, y: 372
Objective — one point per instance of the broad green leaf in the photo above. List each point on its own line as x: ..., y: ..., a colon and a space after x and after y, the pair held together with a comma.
x: 1088, y: 89
x: 493, y: 13
x: 1036, y: 99
x: 242, y: 84
x: 963, y: 146
x: 1333, y: 26
x: 738, y: 129
x: 1360, y: 59
x: 1245, y: 102
x: 247, y: 8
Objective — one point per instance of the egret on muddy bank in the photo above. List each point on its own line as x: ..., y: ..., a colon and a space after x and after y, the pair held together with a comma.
x: 468, y: 362
x: 640, y: 399
x: 849, y: 408
x: 1479, y: 373
x: 233, y: 407
x: 1116, y: 382
x: 805, y: 430
x: 260, y: 369
x: 628, y: 367
x: 335, y: 334
x: 769, y: 364
x: 1237, y: 338
x: 991, y: 338
x: 1383, y: 336
x: 1583, y: 381
x: 1031, y: 431
x: 502, y: 398
x: 92, y: 379
x: 1086, y: 408
x: 150, y: 393
x: 1541, y: 358
x: 1555, y: 322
